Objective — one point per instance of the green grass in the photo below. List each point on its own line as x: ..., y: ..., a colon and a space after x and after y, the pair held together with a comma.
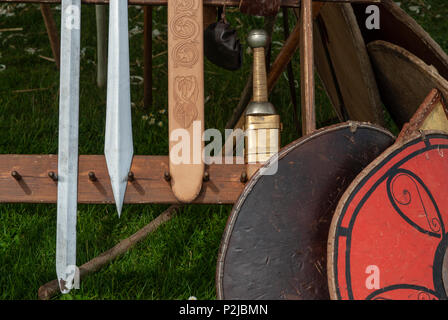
x: 179, y: 259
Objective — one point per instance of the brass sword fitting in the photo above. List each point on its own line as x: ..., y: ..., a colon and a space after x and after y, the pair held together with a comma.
x: 262, y: 123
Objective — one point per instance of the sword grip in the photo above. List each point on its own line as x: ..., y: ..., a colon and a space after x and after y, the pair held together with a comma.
x: 260, y: 81
x: 257, y: 40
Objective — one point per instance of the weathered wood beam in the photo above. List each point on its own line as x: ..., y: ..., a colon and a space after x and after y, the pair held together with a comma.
x: 33, y: 179
x: 52, y: 32
x: 307, y: 68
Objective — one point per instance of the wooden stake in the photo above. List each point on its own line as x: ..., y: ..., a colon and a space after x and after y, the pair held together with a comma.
x: 147, y: 100
x: 307, y: 68
x: 101, y: 34
x: 51, y: 31
x: 291, y: 77
x: 51, y: 288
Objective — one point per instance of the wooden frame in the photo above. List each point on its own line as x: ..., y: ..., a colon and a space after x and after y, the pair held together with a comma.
x: 230, y: 3
x: 33, y: 179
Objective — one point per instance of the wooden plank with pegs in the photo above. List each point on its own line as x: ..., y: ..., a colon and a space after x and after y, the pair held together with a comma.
x: 36, y: 175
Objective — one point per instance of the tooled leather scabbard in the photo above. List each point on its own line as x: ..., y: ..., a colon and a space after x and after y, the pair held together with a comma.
x: 186, y: 97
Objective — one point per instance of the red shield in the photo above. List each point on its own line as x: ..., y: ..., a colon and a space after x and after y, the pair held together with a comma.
x: 388, y: 237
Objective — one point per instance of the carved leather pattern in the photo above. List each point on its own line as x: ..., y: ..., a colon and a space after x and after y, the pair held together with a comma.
x: 186, y: 94
x: 185, y: 53
x: 184, y: 26
x: 185, y: 5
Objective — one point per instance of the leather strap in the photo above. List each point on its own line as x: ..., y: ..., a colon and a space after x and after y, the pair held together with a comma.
x: 186, y: 96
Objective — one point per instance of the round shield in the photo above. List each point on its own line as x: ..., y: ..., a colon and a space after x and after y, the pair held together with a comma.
x: 274, y: 244
x: 403, y: 78
x: 388, y: 237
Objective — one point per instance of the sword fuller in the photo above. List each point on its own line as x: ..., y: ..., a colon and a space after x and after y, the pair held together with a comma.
x: 68, y: 141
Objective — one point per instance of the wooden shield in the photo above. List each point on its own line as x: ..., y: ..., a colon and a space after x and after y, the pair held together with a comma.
x: 344, y: 66
x: 274, y: 244
x: 326, y: 71
x: 404, y: 80
x: 397, y: 27
x: 388, y: 237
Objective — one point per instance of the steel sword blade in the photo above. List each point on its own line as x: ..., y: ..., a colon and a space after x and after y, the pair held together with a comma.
x: 118, y: 141
x: 68, y: 142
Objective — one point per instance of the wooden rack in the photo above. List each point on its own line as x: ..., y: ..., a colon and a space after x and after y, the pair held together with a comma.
x: 33, y: 178
x: 231, y: 3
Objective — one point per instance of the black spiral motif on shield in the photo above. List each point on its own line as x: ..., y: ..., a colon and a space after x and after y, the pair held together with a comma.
x: 407, y: 193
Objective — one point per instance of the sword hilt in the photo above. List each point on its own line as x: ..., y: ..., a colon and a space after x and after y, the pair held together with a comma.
x: 257, y: 40
x: 262, y: 123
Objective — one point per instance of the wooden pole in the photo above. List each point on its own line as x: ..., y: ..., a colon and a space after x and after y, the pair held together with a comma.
x: 51, y: 288
x: 51, y: 31
x: 101, y: 33
x: 307, y: 68
x: 284, y: 57
x: 147, y: 100
x: 290, y: 70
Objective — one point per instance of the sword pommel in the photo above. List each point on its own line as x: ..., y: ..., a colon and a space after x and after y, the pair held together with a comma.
x: 257, y: 38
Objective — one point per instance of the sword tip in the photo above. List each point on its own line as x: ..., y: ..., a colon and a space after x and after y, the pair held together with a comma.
x: 119, y: 190
x: 119, y: 208
x: 119, y: 168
